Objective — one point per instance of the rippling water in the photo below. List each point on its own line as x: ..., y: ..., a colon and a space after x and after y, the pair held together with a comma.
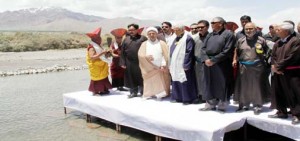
x: 31, y: 108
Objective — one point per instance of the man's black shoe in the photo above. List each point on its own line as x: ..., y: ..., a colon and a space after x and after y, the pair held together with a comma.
x: 239, y: 110
x: 208, y: 109
x: 132, y: 95
x: 278, y: 115
x: 173, y: 101
x: 186, y: 103
x: 257, y: 111
x: 121, y: 89
x: 295, y: 120
x: 104, y: 92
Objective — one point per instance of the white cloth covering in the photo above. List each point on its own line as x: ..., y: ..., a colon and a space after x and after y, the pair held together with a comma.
x: 170, y: 39
x: 99, y: 49
x: 185, y: 123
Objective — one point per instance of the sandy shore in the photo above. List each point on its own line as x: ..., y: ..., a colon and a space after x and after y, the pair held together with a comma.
x: 15, y: 63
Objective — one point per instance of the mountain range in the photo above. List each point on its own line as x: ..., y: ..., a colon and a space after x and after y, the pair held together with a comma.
x: 60, y: 19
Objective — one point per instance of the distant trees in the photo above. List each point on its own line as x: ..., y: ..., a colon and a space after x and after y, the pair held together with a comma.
x: 36, y: 41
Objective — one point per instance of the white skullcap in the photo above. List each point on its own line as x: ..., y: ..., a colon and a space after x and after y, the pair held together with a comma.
x: 151, y: 29
x: 287, y: 26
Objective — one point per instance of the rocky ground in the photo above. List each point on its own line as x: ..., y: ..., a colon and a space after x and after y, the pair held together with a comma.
x: 21, y: 63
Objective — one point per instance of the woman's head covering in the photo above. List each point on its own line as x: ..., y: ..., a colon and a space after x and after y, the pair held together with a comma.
x: 119, y: 32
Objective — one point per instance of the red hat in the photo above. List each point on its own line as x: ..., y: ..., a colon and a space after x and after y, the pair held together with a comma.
x: 231, y: 26
x: 140, y: 30
x: 119, y: 32
x: 259, y: 28
x: 187, y: 28
x: 95, y: 34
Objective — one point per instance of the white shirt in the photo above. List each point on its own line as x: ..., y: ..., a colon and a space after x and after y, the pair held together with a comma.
x: 170, y: 39
x: 154, y: 49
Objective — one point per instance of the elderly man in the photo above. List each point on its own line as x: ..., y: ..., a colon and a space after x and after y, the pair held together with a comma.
x: 216, y: 54
x: 129, y: 60
x: 153, y: 61
x: 203, y: 27
x: 286, y: 79
x: 250, y: 53
x: 182, y: 63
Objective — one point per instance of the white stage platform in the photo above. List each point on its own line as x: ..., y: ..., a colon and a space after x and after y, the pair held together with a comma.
x: 174, y: 120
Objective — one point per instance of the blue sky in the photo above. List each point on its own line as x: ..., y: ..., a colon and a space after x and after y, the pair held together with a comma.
x: 263, y: 12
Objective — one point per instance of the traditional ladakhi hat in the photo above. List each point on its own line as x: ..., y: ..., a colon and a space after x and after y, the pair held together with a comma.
x: 231, y: 26
x: 140, y: 30
x: 259, y: 28
x: 95, y: 34
x: 187, y: 28
x: 119, y: 32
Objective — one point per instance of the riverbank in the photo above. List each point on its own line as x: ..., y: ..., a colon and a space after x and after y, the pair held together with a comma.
x: 23, y: 63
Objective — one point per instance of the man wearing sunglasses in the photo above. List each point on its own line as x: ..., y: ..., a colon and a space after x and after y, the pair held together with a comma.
x: 194, y: 29
x: 168, y: 33
x: 202, y: 27
x: 216, y: 54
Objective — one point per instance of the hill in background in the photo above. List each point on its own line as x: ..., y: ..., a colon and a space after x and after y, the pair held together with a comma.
x: 60, y: 19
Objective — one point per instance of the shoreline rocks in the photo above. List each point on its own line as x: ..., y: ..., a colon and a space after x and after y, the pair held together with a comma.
x: 30, y: 70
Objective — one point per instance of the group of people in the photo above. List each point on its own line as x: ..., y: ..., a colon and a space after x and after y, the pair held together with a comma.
x: 194, y: 66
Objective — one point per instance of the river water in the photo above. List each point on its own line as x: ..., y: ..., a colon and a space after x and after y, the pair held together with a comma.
x: 31, y: 109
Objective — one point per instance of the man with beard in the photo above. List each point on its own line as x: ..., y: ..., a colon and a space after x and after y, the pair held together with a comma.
x: 153, y: 60
x: 250, y: 53
x: 129, y: 60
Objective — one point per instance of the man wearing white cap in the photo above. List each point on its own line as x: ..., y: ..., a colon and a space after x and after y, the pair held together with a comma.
x: 153, y: 62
